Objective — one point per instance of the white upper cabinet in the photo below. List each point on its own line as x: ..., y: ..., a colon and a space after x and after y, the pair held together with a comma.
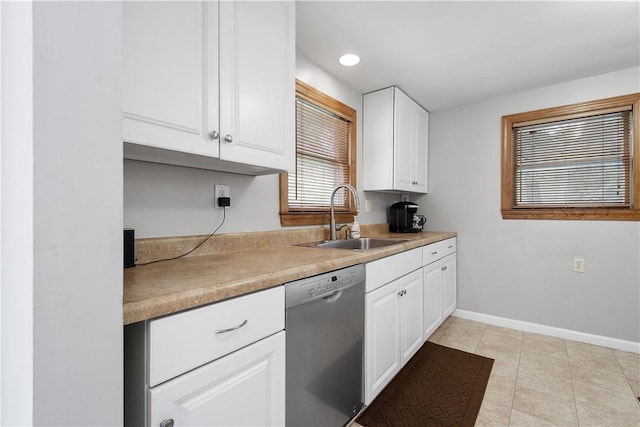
x: 396, y: 132
x: 169, y: 56
x: 210, y: 84
x: 257, y: 90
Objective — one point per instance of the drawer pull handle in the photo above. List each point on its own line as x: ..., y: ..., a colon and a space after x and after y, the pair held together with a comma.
x: 222, y: 331
x: 444, y: 268
x: 434, y: 252
x: 450, y: 246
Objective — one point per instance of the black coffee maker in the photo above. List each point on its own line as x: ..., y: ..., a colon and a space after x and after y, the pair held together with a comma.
x: 403, y: 218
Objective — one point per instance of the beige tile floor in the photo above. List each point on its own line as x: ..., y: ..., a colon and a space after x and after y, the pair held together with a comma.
x: 539, y: 380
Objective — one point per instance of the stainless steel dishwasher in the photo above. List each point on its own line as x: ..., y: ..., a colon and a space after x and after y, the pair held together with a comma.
x: 324, y: 335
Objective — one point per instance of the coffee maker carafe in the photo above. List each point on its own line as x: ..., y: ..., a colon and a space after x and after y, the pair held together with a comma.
x: 401, y: 218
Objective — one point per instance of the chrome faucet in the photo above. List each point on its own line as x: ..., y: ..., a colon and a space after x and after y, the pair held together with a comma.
x: 332, y: 224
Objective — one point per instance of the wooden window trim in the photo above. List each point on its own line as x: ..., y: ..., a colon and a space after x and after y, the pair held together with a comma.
x: 576, y: 110
x: 287, y: 218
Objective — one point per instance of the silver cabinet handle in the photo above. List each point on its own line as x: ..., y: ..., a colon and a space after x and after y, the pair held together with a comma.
x: 167, y: 423
x: 450, y: 246
x: 213, y: 135
x: 402, y: 292
x: 444, y: 267
x: 222, y: 331
x: 433, y: 253
x: 228, y: 138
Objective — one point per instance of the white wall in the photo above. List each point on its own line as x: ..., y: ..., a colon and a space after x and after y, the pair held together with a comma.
x: 61, y: 214
x: 16, y: 194
x: 161, y: 200
x: 522, y: 269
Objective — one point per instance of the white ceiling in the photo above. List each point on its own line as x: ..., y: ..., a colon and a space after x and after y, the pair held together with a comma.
x: 450, y: 53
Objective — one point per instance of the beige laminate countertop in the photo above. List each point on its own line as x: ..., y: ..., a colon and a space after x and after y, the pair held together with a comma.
x: 171, y: 286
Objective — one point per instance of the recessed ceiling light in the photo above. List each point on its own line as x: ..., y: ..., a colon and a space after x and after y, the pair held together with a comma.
x: 349, y: 59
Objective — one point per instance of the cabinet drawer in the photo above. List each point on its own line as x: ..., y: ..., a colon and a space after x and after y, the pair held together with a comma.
x: 184, y: 341
x: 385, y: 270
x: 435, y: 251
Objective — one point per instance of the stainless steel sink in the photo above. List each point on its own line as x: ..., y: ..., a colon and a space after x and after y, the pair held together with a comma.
x: 363, y: 243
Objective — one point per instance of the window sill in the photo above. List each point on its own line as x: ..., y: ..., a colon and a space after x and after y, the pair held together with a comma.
x: 306, y: 218
x: 573, y: 214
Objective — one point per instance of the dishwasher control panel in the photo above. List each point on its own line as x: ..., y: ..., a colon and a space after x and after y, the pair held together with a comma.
x: 323, y: 285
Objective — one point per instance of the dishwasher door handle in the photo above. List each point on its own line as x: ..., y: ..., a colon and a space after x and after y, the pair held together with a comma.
x: 333, y: 296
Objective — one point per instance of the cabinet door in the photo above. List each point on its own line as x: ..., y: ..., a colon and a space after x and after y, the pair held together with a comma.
x: 432, y: 298
x: 404, y: 141
x: 421, y: 141
x: 449, y: 285
x: 411, y: 312
x: 169, y: 59
x: 244, y: 388
x: 382, y: 338
x: 378, y: 135
x: 257, y: 83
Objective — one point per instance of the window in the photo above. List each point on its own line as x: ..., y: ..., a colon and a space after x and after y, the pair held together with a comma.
x: 579, y: 161
x: 325, y: 157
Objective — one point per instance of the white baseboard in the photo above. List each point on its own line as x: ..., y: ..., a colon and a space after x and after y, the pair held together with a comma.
x: 520, y: 325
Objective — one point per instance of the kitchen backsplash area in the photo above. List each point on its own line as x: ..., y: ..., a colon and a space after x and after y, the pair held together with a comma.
x: 163, y: 201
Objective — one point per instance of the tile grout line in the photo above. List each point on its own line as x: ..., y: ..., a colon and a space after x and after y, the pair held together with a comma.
x: 475, y: 351
x: 573, y: 390
x: 515, y: 384
x: 626, y: 378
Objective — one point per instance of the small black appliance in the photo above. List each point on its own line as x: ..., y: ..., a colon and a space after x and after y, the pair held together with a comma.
x: 401, y: 218
x: 129, y: 248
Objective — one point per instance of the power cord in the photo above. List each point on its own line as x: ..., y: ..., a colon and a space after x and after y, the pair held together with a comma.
x: 224, y: 216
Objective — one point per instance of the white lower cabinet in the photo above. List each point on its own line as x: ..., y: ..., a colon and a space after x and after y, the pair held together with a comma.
x: 393, y: 328
x: 245, y: 388
x: 449, y: 285
x: 410, y: 288
x: 217, y: 365
x: 432, y: 298
x: 382, y: 339
x: 408, y: 297
x: 440, y: 284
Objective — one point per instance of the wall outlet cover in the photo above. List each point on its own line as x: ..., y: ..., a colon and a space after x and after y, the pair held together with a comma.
x: 221, y: 190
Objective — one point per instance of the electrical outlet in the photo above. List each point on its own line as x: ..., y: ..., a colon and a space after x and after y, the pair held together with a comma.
x: 221, y: 190
x: 578, y: 265
x: 368, y: 205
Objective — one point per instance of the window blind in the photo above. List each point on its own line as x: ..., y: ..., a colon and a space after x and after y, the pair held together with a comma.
x: 322, y: 159
x: 580, y: 162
